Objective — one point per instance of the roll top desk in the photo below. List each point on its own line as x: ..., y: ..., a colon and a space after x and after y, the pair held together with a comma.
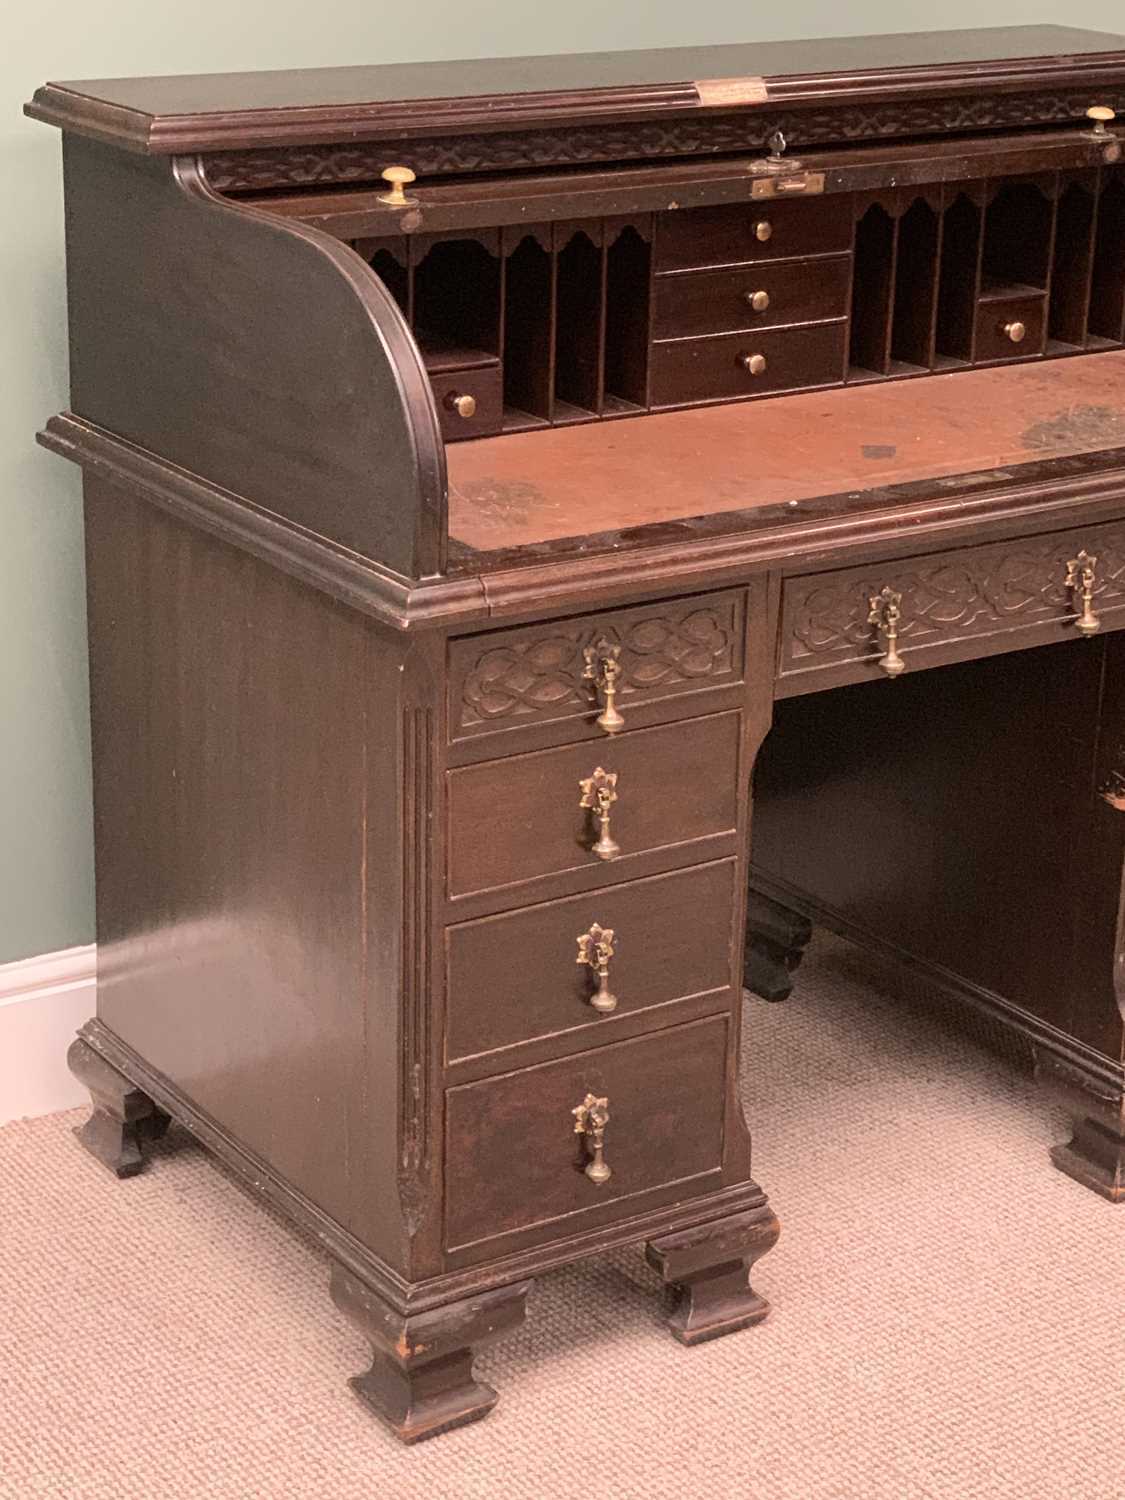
x: 493, y: 473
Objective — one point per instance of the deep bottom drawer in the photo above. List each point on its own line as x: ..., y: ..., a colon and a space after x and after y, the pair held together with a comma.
x: 514, y: 1160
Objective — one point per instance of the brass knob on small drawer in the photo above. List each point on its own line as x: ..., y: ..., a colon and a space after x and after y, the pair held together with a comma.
x: 1016, y: 331
x: 590, y: 1120
x: 885, y: 613
x: 755, y: 363
x: 398, y: 177
x: 763, y: 230
x: 1081, y: 575
x: 464, y: 406
x: 595, y: 949
x: 1101, y: 114
x: 603, y: 668
x: 599, y: 793
x: 759, y: 301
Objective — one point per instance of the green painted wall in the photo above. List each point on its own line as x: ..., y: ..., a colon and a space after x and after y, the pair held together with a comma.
x: 46, y: 877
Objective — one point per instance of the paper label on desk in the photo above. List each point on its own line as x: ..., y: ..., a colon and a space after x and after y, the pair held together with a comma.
x: 713, y: 91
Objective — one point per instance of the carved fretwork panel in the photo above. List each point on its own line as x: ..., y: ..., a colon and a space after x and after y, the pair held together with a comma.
x: 1001, y: 589
x: 695, y: 134
x: 511, y: 678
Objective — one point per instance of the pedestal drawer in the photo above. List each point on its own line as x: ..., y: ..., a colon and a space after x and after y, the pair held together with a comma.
x: 516, y: 977
x: 521, y: 818
x: 513, y: 1157
x: 947, y: 606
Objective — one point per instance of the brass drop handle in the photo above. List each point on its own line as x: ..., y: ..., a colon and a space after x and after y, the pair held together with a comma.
x: 763, y: 230
x: 595, y: 949
x: 1081, y: 576
x: 590, y: 1120
x: 398, y: 177
x: 759, y: 301
x: 599, y: 793
x: 754, y: 363
x: 885, y: 613
x: 1015, y: 330
x: 464, y: 406
x: 603, y: 668
x: 1101, y: 114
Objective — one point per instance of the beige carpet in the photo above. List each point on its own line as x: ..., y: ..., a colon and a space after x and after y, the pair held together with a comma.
x: 948, y: 1314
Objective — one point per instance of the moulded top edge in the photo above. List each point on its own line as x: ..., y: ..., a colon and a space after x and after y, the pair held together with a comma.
x: 200, y: 112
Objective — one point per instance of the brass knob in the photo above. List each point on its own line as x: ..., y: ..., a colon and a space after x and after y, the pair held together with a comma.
x: 763, y: 229
x: 1081, y: 579
x: 885, y: 612
x: 1101, y: 114
x: 755, y: 363
x: 464, y: 406
x: 590, y: 1120
x: 398, y: 177
x: 603, y: 668
x: 759, y: 301
x: 599, y: 793
x: 1016, y: 331
x: 595, y: 949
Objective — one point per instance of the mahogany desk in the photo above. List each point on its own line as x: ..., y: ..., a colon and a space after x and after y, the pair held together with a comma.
x: 494, y: 470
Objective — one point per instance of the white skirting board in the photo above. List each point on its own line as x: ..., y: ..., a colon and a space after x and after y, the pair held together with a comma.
x: 43, y: 1001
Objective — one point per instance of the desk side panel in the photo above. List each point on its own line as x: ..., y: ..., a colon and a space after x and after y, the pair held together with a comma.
x: 259, y: 354
x: 231, y: 773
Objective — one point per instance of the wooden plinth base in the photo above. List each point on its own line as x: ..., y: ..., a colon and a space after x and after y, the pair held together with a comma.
x: 776, y: 939
x: 1095, y: 1157
x: 123, y: 1115
x: 421, y: 1378
x: 711, y: 1267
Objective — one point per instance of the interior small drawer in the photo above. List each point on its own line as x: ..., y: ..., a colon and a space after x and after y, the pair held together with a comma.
x: 513, y: 1158
x: 518, y: 977
x: 502, y: 682
x: 750, y: 231
x: 835, y: 626
x: 521, y: 818
x: 747, y: 364
x: 470, y: 402
x: 686, y: 304
x: 1010, y: 327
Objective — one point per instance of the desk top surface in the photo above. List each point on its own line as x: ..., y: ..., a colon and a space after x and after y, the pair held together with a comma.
x: 199, y: 111
x: 303, y: 88
x: 527, y: 488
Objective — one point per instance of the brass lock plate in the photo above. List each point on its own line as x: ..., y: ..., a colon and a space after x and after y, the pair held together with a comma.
x: 788, y: 185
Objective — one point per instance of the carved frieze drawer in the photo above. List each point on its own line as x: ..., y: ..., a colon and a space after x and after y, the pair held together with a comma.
x: 514, y: 1159
x: 885, y: 618
x: 545, y: 683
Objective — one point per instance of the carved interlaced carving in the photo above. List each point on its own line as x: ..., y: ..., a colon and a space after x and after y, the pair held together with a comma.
x: 1000, y: 587
x: 544, y: 675
x: 695, y: 134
